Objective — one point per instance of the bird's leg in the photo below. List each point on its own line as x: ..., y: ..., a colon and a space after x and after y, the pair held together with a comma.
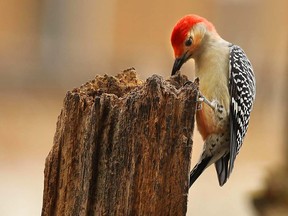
x: 214, y: 104
x: 202, y: 98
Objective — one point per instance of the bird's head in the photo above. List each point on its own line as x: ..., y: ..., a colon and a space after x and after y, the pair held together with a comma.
x: 187, y: 37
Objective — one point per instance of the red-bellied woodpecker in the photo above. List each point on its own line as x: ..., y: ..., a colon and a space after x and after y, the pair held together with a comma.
x: 227, y: 88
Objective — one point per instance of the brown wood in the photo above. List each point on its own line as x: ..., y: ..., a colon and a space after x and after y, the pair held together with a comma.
x: 122, y: 147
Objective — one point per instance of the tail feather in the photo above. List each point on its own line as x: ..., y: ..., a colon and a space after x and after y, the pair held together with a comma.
x: 221, y: 166
x: 198, y: 169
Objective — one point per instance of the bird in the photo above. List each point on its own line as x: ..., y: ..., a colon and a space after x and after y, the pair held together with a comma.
x: 227, y: 92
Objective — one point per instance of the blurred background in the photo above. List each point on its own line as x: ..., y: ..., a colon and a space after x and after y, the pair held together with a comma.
x: 48, y: 47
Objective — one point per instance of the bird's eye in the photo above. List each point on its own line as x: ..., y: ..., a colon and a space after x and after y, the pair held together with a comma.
x: 188, y: 42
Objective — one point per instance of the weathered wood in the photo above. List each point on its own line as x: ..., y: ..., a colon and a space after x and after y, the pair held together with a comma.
x: 122, y: 147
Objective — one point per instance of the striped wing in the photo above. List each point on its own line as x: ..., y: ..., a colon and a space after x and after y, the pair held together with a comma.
x: 242, y: 93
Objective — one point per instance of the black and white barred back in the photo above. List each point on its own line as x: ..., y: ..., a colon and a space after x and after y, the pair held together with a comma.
x: 242, y: 92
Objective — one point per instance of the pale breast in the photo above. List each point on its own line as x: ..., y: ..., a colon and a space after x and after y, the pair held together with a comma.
x: 212, y: 70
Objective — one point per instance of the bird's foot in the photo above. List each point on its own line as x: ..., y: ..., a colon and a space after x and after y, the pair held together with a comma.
x: 214, y: 104
x: 202, y: 98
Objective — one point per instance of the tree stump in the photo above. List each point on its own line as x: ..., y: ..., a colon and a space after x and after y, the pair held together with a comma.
x: 122, y: 147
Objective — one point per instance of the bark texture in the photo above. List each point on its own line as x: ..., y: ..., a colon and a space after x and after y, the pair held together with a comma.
x: 122, y: 147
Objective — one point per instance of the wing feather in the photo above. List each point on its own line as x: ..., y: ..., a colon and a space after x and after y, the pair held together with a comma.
x: 242, y: 93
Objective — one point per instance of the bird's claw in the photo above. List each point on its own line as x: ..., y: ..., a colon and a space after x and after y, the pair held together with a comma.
x: 200, y: 100
x: 214, y: 104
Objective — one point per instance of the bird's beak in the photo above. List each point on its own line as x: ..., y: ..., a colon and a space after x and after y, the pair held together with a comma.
x: 178, y: 63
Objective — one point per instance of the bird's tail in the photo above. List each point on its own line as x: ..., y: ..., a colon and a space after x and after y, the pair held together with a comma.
x: 221, y: 166
x: 198, y: 169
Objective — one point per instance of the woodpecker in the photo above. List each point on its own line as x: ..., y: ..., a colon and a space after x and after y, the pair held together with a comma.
x: 227, y: 92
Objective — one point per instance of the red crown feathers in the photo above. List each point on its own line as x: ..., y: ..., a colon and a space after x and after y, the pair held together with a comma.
x: 184, y: 25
